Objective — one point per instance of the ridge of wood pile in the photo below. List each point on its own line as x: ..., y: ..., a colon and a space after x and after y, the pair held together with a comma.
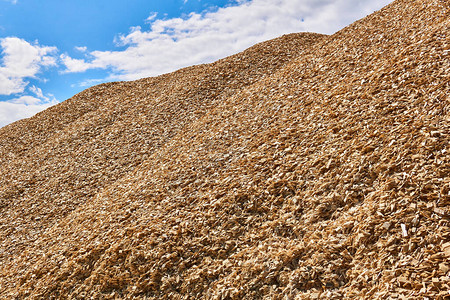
x: 307, y: 167
x: 64, y: 156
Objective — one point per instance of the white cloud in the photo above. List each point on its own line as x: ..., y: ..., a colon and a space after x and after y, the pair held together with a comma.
x: 10, y: 85
x: 27, y: 100
x: 174, y: 43
x: 81, y: 49
x: 23, y: 107
x: 152, y: 16
x: 38, y: 93
x: 21, y: 60
x: 74, y: 65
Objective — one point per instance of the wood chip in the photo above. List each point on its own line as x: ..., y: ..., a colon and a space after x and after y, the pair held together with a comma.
x: 306, y: 167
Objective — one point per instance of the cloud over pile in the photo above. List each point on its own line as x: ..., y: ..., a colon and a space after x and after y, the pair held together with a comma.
x: 20, y: 108
x: 198, y: 38
x: 22, y: 60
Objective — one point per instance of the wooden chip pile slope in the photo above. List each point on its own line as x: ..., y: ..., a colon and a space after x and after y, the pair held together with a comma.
x: 325, y: 177
x: 63, y: 157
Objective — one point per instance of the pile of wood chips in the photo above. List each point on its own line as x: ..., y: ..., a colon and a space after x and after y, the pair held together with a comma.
x: 306, y: 167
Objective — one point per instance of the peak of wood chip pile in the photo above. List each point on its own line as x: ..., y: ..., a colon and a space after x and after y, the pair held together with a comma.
x: 306, y: 167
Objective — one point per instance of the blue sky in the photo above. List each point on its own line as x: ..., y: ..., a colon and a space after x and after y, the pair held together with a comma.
x: 53, y: 49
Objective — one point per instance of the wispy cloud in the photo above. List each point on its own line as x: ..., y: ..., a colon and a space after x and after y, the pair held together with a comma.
x: 152, y: 17
x: 89, y: 82
x: 170, y: 44
x: 21, y: 60
x: 81, y: 49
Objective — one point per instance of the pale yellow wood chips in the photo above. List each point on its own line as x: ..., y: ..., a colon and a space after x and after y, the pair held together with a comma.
x: 306, y: 167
